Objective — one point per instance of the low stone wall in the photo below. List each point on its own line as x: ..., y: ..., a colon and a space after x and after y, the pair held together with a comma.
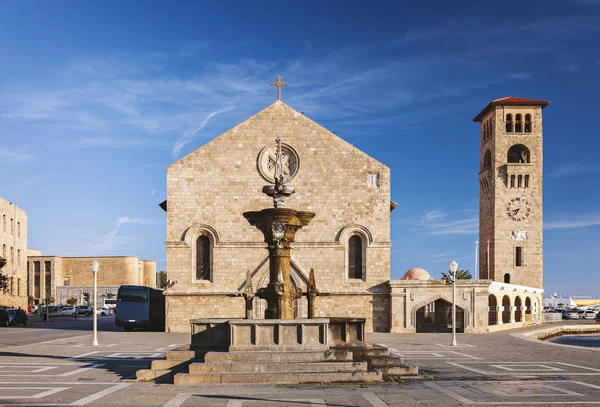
x: 563, y: 330
x: 276, y: 334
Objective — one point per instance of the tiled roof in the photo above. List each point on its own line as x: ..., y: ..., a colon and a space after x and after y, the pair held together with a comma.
x: 511, y: 100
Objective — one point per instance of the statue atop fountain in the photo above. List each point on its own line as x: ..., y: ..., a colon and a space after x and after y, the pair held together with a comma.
x: 279, y: 226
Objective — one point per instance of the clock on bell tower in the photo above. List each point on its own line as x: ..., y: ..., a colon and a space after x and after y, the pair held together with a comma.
x: 510, y: 191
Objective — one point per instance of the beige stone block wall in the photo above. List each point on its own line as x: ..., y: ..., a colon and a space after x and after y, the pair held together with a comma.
x: 112, y: 271
x: 181, y: 308
x: 13, y: 247
x: 149, y: 273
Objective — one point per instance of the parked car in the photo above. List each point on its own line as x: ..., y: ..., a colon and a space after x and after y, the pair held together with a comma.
x: 587, y: 314
x: 66, y: 311
x: 570, y: 314
x: 103, y: 311
x: 85, y: 310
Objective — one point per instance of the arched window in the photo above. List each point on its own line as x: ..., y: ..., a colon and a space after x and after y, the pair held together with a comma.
x: 355, y: 257
x: 509, y: 123
x: 507, y: 278
x: 518, y: 154
x: 518, y: 123
x: 527, y: 123
x: 487, y: 159
x: 203, y: 261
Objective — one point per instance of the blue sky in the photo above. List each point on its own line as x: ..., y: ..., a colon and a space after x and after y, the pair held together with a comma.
x: 97, y: 98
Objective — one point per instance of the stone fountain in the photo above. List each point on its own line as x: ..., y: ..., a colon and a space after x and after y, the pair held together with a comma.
x: 279, y: 226
x: 279, y: 348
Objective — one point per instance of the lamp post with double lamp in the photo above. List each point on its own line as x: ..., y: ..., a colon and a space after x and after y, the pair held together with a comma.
x: 95, y: 267
x: 453, y: 268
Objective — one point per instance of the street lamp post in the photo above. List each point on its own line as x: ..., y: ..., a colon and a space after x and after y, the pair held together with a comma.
x: 95, y: 267
x: 453, y: 268
x: 554, y: 295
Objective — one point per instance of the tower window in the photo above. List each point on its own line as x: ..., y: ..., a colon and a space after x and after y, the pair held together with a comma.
x: 487, y: 159
x: 509, y: 123
x: 518, y: 256
x: 518, y: 154
x: 527, y: 123
x: 355, y: 257
x: 519, y: 181
x: 518, y: 123
x: 507, y: 278
x: 512, y: 181
x: 526, y: 181
x: 203, y: 262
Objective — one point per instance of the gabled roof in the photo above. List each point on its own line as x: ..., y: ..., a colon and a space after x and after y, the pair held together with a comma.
x: 511, y: 100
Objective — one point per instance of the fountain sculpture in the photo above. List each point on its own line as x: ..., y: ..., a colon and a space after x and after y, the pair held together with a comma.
x: 279, y: 226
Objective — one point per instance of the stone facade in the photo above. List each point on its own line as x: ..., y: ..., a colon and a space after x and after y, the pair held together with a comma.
x: 47, y: 273
x: 210, y: 188
x: 409, y: 296
x: 510, y: 216
x: 13, y: 246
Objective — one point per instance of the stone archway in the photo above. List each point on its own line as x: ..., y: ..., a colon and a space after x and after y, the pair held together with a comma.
x: 518, y: 312
x: 528, y: 309
x: 505, y: 309
x: 436, y: 316
x: 492, y: 310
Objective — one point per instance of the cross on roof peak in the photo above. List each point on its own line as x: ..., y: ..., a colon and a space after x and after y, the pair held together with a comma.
x: 279, y: 84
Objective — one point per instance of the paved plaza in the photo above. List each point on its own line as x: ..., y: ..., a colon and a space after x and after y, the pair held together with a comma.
x: 53, y: 364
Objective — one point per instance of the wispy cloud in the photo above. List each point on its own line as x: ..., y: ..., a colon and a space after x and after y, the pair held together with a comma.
x: 584, y: 221
x: 571, y: 169
x: 440, y: 255
x: 124, y: 220
x: 457, y: 223
x: 189, y: 135
x: 15, y: 156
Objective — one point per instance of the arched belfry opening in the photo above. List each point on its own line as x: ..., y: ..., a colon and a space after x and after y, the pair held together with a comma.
x: 518, y: 154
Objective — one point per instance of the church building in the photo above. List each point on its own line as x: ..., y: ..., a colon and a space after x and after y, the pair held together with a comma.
x: 211, y: 247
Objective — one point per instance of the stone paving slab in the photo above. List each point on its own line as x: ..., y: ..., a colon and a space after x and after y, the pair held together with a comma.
x: 504, y: 369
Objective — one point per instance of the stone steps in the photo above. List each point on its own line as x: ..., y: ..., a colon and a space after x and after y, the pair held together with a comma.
x: 280, y: 367
x: 274, y: 357
x: 298, y: 377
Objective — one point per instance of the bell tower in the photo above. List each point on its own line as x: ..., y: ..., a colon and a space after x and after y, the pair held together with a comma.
x: 510, y: 191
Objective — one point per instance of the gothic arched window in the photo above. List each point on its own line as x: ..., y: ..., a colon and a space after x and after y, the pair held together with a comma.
x: 509, y: 123
x: 203, y: 261
x: 355, y: 257
x: 528, y: 123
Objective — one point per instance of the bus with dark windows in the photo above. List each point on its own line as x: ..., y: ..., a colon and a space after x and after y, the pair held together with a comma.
x: 140, y: 307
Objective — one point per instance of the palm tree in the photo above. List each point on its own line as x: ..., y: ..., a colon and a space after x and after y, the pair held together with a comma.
x: 460, y: 275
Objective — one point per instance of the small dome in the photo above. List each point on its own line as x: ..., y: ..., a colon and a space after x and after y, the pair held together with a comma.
x: 416, y: 274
